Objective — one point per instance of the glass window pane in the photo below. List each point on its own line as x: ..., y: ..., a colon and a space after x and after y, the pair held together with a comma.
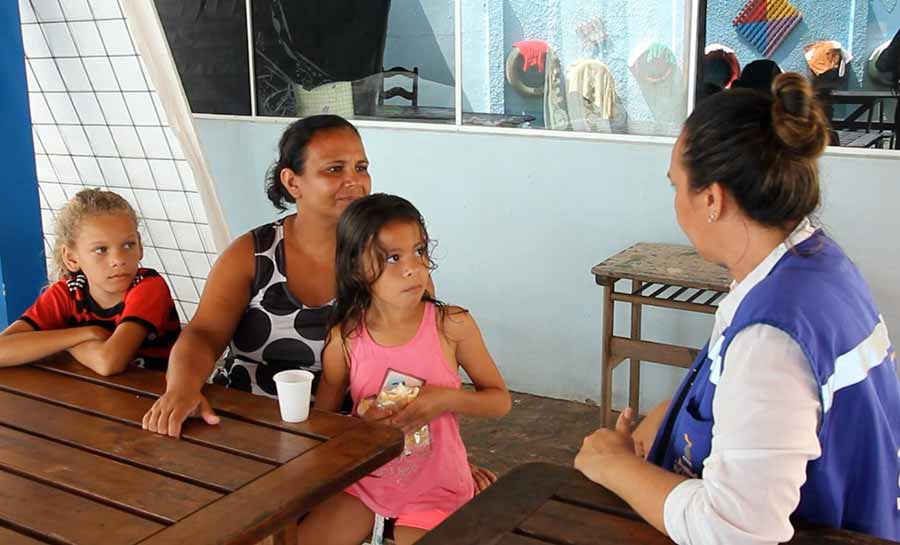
x: 607, y: 66
x: 364, y: 60
x: 837, y: 45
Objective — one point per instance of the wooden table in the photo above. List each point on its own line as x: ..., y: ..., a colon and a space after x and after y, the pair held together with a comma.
x: 76, y: 467
x: 543, y: 504
x: 662, y: 275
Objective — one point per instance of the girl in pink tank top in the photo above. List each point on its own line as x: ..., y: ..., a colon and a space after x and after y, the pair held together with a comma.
x: 388, y: 328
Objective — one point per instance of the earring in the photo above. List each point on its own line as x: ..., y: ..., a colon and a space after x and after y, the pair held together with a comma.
x: 712, y: 218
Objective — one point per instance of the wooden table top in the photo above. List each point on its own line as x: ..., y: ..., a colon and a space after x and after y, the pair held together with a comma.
x: 543, y: 504
x: 76, y: 467
x: 672, y: 264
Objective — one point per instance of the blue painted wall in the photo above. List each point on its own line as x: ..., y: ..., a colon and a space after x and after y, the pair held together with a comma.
x: 421, y: 34
x: 22, y: 265
x: 860, y: 25
x: 520, y: 221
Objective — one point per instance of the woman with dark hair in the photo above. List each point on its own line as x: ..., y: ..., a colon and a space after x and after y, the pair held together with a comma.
x: 269, y: 295
x: 790, y: 412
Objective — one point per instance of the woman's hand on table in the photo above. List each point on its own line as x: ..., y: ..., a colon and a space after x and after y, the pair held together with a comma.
x: 600, y: 449
x: 645, y: 432
x: 167, y: 415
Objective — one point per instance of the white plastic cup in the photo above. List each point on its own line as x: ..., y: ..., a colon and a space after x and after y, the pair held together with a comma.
x: 294, y: 389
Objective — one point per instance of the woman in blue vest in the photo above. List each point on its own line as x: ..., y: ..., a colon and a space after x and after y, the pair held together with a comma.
x: 791, y: 412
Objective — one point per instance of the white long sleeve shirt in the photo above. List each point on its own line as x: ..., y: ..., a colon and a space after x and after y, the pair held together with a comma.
x: 766, y: 411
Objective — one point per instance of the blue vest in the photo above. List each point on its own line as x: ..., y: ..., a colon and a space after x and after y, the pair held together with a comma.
x: 817, y: 296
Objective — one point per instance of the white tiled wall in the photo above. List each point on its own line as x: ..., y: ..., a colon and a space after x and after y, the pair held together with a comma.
x: 98, y: 122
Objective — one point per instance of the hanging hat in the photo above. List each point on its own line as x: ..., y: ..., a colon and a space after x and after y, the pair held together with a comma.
x: 653, y: 63
x: 826, y: 55
x: 884, y: 78
x: 720, y: 66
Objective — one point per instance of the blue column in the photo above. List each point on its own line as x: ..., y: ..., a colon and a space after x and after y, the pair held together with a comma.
x: 22, y: 266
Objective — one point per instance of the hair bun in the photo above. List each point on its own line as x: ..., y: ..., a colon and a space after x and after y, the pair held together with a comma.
x: 797, y: 118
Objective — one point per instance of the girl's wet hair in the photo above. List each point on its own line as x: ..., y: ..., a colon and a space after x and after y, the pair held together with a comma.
x: 762, y: 147
x: 357, y: 240
x: 87, y: 203
x: 292, y: 152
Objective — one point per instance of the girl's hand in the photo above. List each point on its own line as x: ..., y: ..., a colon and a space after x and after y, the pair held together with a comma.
x: 431, y: 402
x: 482, y: 476
x: 367, y: 410
x: 603, y: 446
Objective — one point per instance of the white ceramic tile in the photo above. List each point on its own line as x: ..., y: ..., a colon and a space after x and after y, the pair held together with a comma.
x: 40, y: 111
x: 160, y: 111
x: 189, y: 239
x: 73, y: 74
x: 196, y: 204
x: 187, y: 312
x: 54, y: 194
x: 172, y: 262
x: 128, y: 194
x: 128, y: 72
x: 30, y: 79
x: 45, y: 172
x: 113, y: 171
x: 127, y: 141
x: 151, y: 258
x: 71, y: 190
x: 150, y: 204
x: 101, y: 141
x: 161, y: 234
x: 87, y: 38
x: 154, y: 141
x: 115, y: 37
x: 76, y: 9
x: 34, y: 42
x: 42, y: 200
x: 101, y: 74
x: 38, y: 146
x: 88, y: 108
x: 187, y: 176
x: 47, y: 75
x: 165, y: 174
x: 26, y: 13
x: 60, y: 40
x: 114, y: 108
x: 207, y: 238
x: 139, y: 173
x: 177, y: 206
x: 184, y: 288
x: 47, y: 220
x: 200, y: 283
x: 65, y: 169
x: 51, y: 139
x: 89, y: 170
x: 105, y: 9
x: 61, y: 106
x: 75, y: 139
x: 174, y: 144
x: 141, y: 108
x: 47, y: 10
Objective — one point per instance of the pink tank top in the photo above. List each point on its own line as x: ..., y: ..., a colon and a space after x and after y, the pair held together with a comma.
x: 433, y: 477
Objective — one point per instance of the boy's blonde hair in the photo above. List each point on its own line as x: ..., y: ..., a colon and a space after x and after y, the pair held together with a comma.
x: 87, y: 203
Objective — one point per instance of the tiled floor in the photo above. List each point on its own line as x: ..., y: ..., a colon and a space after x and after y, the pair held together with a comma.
x: 536, y: 429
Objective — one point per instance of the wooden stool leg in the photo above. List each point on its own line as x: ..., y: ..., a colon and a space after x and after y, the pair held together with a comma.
x: 606, y: 351
x: 634, y: 367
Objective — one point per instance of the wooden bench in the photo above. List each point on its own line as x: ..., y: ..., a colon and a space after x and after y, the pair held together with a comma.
x: 661, y: 275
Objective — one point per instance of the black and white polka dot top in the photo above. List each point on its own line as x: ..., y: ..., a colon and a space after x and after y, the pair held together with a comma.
x: 277, y: 331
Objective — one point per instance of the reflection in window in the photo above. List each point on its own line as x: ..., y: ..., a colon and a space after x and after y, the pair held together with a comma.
x: 842, y: 47
x: 610, y: 66
x: 375, y: 59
